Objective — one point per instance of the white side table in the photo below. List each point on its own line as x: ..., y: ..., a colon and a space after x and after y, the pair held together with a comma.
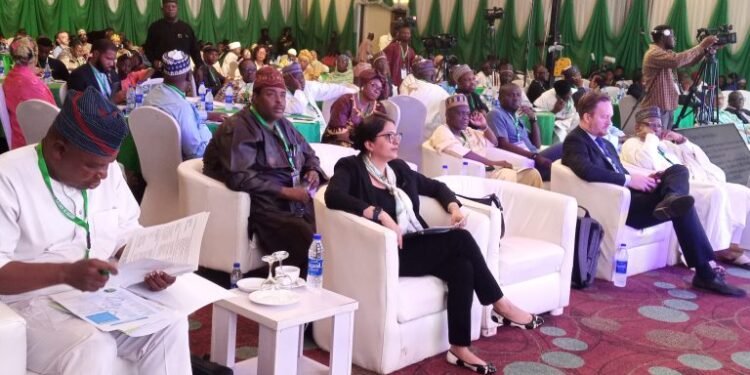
x: 281, y: 333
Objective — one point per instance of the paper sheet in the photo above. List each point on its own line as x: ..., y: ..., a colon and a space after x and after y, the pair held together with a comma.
x: 189, y: 293
x: 177, y: 242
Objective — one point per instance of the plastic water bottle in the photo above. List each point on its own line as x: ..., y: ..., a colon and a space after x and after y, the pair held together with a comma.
x: 2, y: 69
x: 235, y: 276
x: 621, y: 93
x: 315, y: 263
x: 445, y: 170
x: 209, y: 101
x: 465, y: 168
x: 138, y: 96
x: 229, y: 97
x: 47, y: 76
x: 130, y: 99
x: 201, y: 96
x: 620, y: 277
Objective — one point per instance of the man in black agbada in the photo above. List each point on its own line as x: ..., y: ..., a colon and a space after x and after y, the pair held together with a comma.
x: 169, y: 33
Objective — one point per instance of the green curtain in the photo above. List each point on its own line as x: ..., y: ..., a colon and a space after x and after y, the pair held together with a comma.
x: 276, y: 22
x: 678, y: 20
x: 507, y: 43
x: 204, y: 25
x: 634, y: 39
x: 313, y: 35
x: 348, y: 37
x: 231, y: 22
x: 330, y: 26
x: 535, y: 35
x: 416, y: 34
x: 254, y: 23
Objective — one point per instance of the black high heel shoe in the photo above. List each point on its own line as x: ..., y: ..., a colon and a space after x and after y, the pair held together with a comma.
x: 453, y: 359
x: 535, y: 322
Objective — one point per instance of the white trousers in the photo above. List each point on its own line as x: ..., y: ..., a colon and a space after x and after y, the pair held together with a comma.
x: 59, y: 343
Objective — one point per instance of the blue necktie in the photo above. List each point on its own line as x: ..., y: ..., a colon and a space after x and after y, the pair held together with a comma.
x: 603, y: 146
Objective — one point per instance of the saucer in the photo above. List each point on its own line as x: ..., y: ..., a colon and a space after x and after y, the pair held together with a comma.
x: 276, y: 297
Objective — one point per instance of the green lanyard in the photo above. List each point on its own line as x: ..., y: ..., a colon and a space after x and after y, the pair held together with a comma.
x: 276, y: 130
x: 83, y: 223
x: 404, y: 55
x: 661, y: 152
x: 176, y: 90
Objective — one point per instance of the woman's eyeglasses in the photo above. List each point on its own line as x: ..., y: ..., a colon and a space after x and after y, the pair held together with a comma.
x: 392, y: 137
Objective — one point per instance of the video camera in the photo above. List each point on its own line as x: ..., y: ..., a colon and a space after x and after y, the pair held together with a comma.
x: 441, y: 42
x: 724, y: 33
x: 492, y: 14
x: 410, y: 21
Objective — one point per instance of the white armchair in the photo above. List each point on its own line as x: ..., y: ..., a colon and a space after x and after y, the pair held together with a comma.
x: 225, y: 239
x: 329, y: 155
x: 401, y: 320
x: 533, y: 262
x: 433, y: 161
x: 13, y: 346
x: 648, y: 248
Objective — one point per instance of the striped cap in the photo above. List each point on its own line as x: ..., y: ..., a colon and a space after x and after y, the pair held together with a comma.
x: 91, y: 122
x: 176, y: 63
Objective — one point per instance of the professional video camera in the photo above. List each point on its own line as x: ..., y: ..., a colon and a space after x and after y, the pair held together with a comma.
x: 724, y: 33
x: 492, y: 14
x: 440, y: 42
x: 410, y: 21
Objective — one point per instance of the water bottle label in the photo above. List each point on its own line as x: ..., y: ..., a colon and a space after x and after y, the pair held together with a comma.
x: 315, y: 267
x: 139, y: 98
x: 229, y: 99
x: 621, y: 266
x: 209, y: 106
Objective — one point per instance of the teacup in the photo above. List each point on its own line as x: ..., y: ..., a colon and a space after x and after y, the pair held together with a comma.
x: 291, y: 272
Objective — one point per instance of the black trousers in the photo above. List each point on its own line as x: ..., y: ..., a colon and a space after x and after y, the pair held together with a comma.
x: 552, y: 153
x: 455, y: 258
x: 690, y: 234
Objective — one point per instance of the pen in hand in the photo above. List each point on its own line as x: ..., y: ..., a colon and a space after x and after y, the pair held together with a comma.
x: 86, y: 254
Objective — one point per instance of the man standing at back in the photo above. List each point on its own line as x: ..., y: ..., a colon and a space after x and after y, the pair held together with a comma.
x: 400, y: 55
x: 169, y: 33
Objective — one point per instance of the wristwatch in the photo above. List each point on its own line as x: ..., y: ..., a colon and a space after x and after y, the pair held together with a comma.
x: 533, y: 156
x: 375, y: 213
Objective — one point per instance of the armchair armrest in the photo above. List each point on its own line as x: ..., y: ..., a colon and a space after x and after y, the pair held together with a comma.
x: 518, y: 161
x: 433, y: 161
x: 12, y: 341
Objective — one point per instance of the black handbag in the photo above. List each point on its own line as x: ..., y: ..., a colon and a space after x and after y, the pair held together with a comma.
x: 490, y: 200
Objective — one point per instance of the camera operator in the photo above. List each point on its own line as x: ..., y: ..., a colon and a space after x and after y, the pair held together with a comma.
x: 399, y: 54
x: 658, y: 64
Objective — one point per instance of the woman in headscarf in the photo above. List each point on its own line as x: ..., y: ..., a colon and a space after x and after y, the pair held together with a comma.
x: 349, y: 110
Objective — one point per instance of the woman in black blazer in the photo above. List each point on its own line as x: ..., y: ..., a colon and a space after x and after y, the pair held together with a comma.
x: 378, y: 186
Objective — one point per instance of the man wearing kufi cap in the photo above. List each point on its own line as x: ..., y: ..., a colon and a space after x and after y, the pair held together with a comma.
x: 85, y: 40
x: 722, y: 207
x: 290, y: 57
x: 170, y: 33
x: 420, y: 85
x: 457, y: 139
x: 169, y: 96
x: 65, y: 210
x: 302, y: 95
x: 231, y: 60
x: 259, y: 152
x: 466, y: 83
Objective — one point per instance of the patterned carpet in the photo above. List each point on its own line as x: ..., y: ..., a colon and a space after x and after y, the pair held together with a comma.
x: 657, y: 325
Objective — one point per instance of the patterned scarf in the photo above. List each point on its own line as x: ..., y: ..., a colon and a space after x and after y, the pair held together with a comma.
x: 405, y: 216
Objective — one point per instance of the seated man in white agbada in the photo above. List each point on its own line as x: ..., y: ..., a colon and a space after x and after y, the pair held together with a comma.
x: 559, y: 100
x: 456, y: 138
x: 656, y: 149
x: 65, y: 209
x: 420, y: 85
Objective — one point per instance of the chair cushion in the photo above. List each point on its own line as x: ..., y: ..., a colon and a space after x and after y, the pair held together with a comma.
x: 420, y: 296
x: 638, y: 237
x: 523, y: 258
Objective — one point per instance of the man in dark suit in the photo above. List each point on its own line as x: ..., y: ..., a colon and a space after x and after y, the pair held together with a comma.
x: 654, y: 199
x: 99, y: 72
x: 57, y: 68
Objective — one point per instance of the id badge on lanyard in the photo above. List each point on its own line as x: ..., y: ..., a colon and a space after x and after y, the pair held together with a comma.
x: 403, y: 73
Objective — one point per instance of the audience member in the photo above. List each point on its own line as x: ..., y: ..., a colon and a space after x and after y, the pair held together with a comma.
x: 286, y: 40
x: 207, y: 73
x: 259, y: 152
x: 737, y: 107
x: 378, y: 186
x: 231, y: 61
x: 130, y: 77
x: 22, y: 84
x: 386, y: 39
x: 380, y: 64
x: 488, y: 77
x: 260, y: 56
x: 540, y: 84
x: 657, y: 149
x: 466, y: 84
x: 45, y: 248
x: 84, y: 38
x: 400, y: 55
x: 243, y: 89
x: 458, y: 140
x: 170, y: 33
x: 507, y: 75
x: 75, y: 56
x: 512, y: 134
x: 348, y: 111
x: 654, y: 199
x: 559, y: 100
x: 302, y: 95
x: 343, y: 72
x: 426, y: 91
x: 58, y: 69
x: 99, y: 73
x: 290, y: 57
x: 62, y: 39
x: 364, y: 52
x: 573, y: 75
x: 636, y: 89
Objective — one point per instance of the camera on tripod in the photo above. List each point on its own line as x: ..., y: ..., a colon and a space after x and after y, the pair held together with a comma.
x: 440, y: 42
x: 409, y: 21
x: 492, y: 14
x: 724, y: 33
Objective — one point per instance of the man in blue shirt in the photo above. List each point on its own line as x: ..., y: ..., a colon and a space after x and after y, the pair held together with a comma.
x: 512, y: 134
x: 170, y: 97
